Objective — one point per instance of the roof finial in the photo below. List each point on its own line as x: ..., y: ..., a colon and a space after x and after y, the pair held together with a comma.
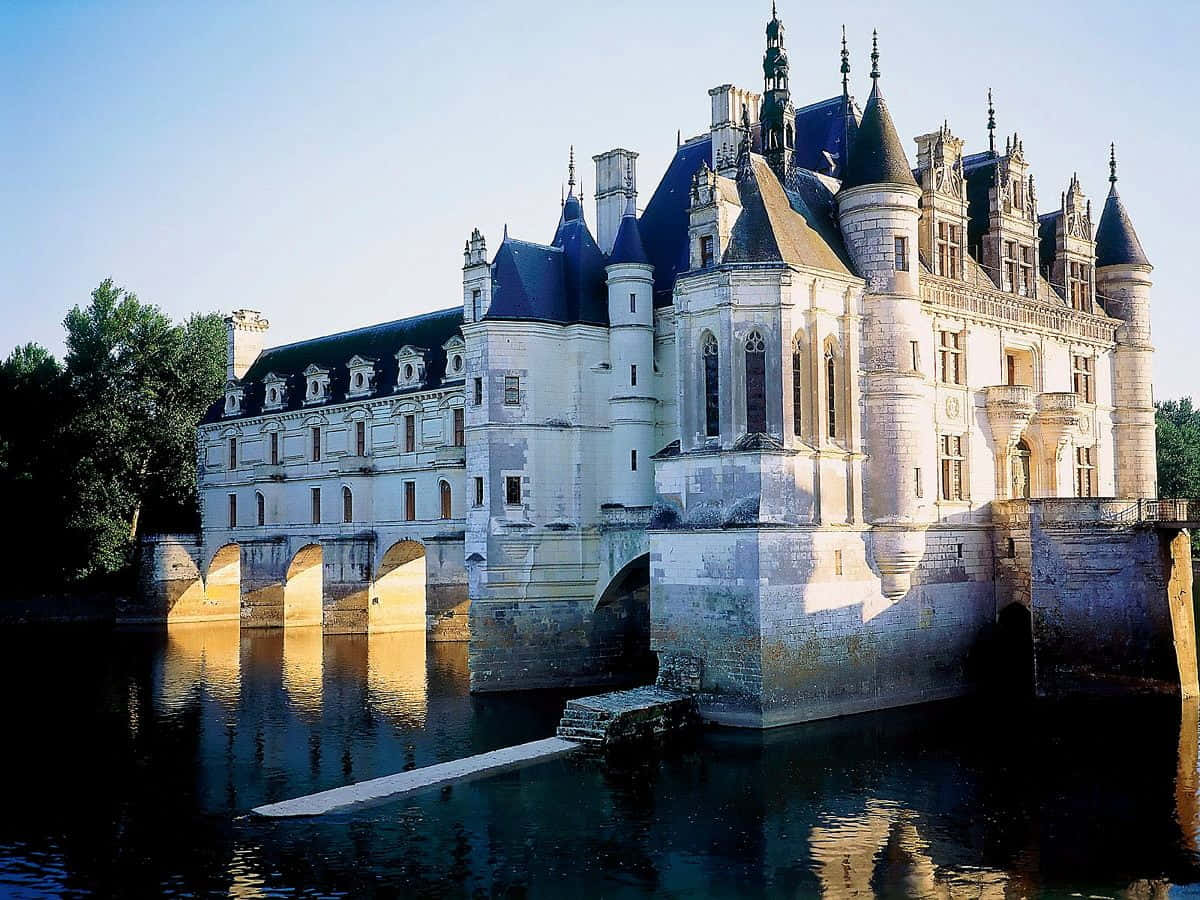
x: 874, y: 55
x: 571, y: 171
x: 991, y: 125
x: 562, y: 196
x: 773, y: 16
x: 678, y: 138
x: 845, y: 66
x: 1112, y: 163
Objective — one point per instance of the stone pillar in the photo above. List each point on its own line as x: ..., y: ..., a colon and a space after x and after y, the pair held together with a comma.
x: 264, y: 573
x: 447, y: 602
x: 169, y: 584
x: 346, y: 572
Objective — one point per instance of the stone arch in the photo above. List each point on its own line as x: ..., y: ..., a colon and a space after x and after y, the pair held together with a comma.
x: 303, y: 587
x: 620, y: 628
x: 398, y: 596
x: 223, y: 581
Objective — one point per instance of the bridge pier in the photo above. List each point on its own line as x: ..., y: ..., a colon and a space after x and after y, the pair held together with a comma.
x: 263, y: 577
x: 346, y: 569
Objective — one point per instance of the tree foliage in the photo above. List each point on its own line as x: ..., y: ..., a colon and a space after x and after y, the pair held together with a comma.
x: 1177, y: 431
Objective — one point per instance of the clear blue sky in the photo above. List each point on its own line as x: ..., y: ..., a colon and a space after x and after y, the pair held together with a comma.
x: 324, y: 162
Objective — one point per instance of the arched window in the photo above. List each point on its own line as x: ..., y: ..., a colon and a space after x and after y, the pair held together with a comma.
x: 831, y: 389
x: 261, y: 503
x: 444, y: 492
x: 347, y: 505
x: 712, y: 387
x: 756, y: 378
x: 798, y: 386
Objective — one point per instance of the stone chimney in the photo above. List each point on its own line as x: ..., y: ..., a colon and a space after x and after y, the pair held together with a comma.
x: 612, y: 194
x: 245, y: 333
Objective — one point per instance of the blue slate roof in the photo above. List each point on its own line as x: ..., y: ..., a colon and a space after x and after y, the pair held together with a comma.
x: 628, y: 246
x: 877, y: 157
x: 823, y: 128
x: 1117, y: 243
x: 664, y: 223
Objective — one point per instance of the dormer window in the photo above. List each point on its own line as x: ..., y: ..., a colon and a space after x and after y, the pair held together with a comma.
x: 456, y: 361
x: 274, y: 392
x: 234, y: 399
x: 316, y: 385
x: 362, y: 376
x: 411, y: 362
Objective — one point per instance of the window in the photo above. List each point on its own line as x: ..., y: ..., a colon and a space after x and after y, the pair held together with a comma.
x: 949, y: 250
x: 410, y: 433
x: 901, y: 254
x: 633, y: 303
x: 358, y: 381
x: 633, y: 376
x: 1010, y: 266
x: 512, y: 390
x: 457, y: 363
x: 917, y: 482
x: 1027, y: 271
x: 1079, y: 286
x: 1085, y: 472
x: 232, y: 453
x: 274, y: 448
x: 632, y: 460
x: 410, y: 501
x: 916, y: 355
x: 315, y: 497
x: 706, y: 251
x: 1017, y: 195
x: 512, y: 490
x: 347, y: 505
x: 460, y: 434
x: 797, y: 389
x: 756, y: 378
x: 478, y: 491
x: 837, y: 562
x: 261, y: 502
x: 316, y: 444
x: 1081, y: 377
x: 478, y: 398
x: 444, y: 496
x: 233, y: 510
x: 950, y: 358
x: 1010, y: 364
x: 831, y: 390
x: 476, y: 304
x: 360, y: 438
x: 712, y: 387
x: 953, y: 487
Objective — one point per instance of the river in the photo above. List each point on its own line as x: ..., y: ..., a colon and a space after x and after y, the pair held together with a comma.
x: 132, y: 758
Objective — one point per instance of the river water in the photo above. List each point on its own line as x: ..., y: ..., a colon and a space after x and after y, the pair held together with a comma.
x: 131, y: 759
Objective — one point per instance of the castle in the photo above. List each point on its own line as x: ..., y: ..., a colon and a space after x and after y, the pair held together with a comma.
x: 799, y: 438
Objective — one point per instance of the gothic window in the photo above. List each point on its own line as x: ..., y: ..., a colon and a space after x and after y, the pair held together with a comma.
x: 444, y: 496
x: 797, y: 388
x: 410, y: 501
x: 1081, y: 378
x: 712, y: 387
x: 261, y: 503
x: 950, y: 358
x: 1079, y: 286
x: 901, y: 254
x: 831, y: 390
x: 315, y: 499
x: 949, y: 250
x: 952, y: 459
x: 1085, y: 472
x: 756, y: 377
x: 512, y: 390
x: 460, y: 434
x: 347, y: 505
x: 706, y: 251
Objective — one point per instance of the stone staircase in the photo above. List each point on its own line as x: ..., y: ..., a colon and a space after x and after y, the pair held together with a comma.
x: 646, y: 714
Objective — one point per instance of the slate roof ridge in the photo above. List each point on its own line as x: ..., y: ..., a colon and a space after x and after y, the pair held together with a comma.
x: 362, y: 329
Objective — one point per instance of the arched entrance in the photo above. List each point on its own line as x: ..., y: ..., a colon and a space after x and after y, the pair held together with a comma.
x: 1021, y: 471
x: 621, y: 624
x: 398, y: 596
x: 302, y: 589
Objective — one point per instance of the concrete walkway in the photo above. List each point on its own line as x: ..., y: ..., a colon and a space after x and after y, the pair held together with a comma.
x: 388, y: 786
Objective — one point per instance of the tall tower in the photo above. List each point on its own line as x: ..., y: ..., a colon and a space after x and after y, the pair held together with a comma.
x: 778, y: 116
x: 879, y: 215
x: 1123, y: 286
x: 632, y: 399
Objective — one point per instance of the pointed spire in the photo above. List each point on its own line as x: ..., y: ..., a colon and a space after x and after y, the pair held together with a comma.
x: 874, y: 55
x: 678, y: 138
x: 991, y: 124
x: 1117, y: 243
x: 845, y: 67
x: 1112, y: 164
x: 571, y: 171
x: 877, y: 156
x: 506, y: 231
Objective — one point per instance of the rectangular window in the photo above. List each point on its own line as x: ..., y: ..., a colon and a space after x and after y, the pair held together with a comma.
x: 410, y: 434
x: 901, y: 254
x: 478, y: 399
x: 797, y: 392
x: 315, y: 497
x: 262, y: 508
x: 232, y: 453
x: 1081, y: 376
x: 633, y: 303
x: 1010, y: 362
x: 1079, y: 286
x: 633, y: 376
x: 512, y: 390
x: 1010, y: 266
x: 917, y: 479
x: 916, y: 355
x: 476, y: 305
x: 478, y: 491
x: 949, y: 250
x: 950, y: 358
x: 460, y: 432
x: 706, y: 251
x: 347, y: 505
x: 951, y: 448
x: 632, y: 460
x: 233, y: 510
x: 1027, y: 271
x: 512, y: 490
x: 410, y: 501
x: 360, y: 438
x: 837, y: 562
x: 316, y: 444
x: 274, y: 448
x: 1085, y: 472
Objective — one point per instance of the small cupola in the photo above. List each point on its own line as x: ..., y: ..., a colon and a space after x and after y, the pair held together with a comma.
x: 316, y: 385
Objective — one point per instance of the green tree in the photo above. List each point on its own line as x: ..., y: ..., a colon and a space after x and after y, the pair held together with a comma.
x: 1177, y: 431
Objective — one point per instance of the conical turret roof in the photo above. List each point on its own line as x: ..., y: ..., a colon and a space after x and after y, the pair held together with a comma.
x: 877, y: 156
x: 1117, y: 243
x: 628, y: 247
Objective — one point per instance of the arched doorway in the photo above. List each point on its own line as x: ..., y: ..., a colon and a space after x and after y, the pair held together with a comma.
x: 621, y: 624
x: 1021, y: 472
x: 398, y: 597
x: 303, y: 587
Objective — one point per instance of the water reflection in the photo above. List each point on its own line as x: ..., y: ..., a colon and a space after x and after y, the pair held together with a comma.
x: 201, y: 656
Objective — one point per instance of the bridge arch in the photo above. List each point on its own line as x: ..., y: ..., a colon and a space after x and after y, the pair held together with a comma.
x: 223, y: 581
x: 398, y: 596
x: 621, y: 622
x: 302, y: 587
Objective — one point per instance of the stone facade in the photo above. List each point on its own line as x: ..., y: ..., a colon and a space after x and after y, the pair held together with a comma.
x: 766, y: 432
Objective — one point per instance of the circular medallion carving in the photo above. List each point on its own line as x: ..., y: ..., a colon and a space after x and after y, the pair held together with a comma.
x: 1085, y: 424
x: 953, y: 408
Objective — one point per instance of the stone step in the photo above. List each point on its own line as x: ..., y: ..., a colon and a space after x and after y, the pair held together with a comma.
x: 621, y: 717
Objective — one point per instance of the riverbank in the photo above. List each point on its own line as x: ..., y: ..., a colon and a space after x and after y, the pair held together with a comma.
x: 90, y: 608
